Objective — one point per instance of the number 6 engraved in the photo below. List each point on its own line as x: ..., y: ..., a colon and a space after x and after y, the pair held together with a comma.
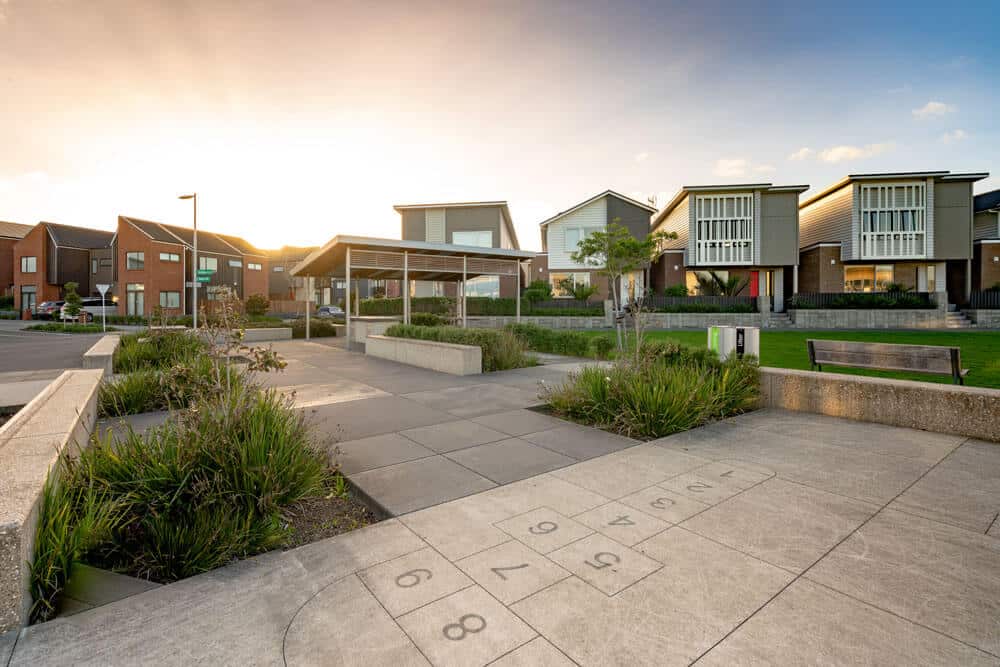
x: 412, y: 578
x: 462, y: 627
x: 604, y: 559
x: 543, y: 528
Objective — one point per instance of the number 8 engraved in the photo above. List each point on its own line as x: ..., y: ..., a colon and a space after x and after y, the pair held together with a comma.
x: 463, y: 627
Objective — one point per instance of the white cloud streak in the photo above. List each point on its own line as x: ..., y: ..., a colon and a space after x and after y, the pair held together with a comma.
x: 844, y: 152
x: 954, y: 136
x: 934, y: 109
x: 801, y: 154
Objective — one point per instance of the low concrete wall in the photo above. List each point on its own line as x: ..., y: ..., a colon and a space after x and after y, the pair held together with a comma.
x: 970, y: 411
x: 703, y: 320
x: 371, y: 325
x: 549, y: 322
x: 265, y: 334
x: 821, y: 318
x: 62, y: 415
x: 101, y: 354
x: 985, y: 319
x: 444, y: 357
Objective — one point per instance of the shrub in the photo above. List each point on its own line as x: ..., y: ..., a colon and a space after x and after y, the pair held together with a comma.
x: 696, y: 307
x: 155, y: 350
x: 540, y: 339
x: 174, y: 388
x: 538, y: 290
x: 317, y: 328
x: 501, y: 349
x: 6, y: 303
x: 426, y: 320
x: 256, y: 304
x: 68, y: 328
x: 603, y: 346
x: 676, y: 290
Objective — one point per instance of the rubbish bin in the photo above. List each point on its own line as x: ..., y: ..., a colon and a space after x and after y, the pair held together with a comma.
x: 740, y: 341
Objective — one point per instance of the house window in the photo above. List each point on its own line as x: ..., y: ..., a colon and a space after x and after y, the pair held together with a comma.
x: 702, y: 283
x: 867, y: 278
x: 277, y: 268
x: 724, y: 229
x: 29, y: 264
x: 170, y: 257
x: 253, y: 266
x: 93, y: 265
x: 135, y: 261
x: 236, y: 264
x: 216, y: 292
x: 482, y: 239
x: 106, y: 264
x: 574, y: 235
x: 170, y: 299
x: 135, y: 299
x: 487, y: 286
x: 28, y: 296
x: 208, y: 263
x: 893, y: 220
x: 561, y: 281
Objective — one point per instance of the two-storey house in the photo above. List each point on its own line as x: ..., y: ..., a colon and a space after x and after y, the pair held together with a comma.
x: 868, y: 231
x: 484, y: 224
x: 747, y: 231
x: 562, y: 233
x: 986, y: 241
x: 10, y: 234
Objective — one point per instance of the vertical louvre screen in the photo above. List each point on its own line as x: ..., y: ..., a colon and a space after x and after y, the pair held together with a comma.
x: 724, y: 229
x: 893, y: 220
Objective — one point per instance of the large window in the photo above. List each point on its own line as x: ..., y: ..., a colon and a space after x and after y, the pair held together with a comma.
x: 170, y: 299
x: 254, y: 266
x: 208, y: 263
x: 893, y: 220
x: 561, y: 281
x: 135, y: 299
x: 576, y: 234
x: 867, y: 278
x: 135, y: 261
x: 170, y: 257
x: 29, y: 264
x: 28, y: 296
x: 724, y: 226
x: 488, y: 286
x: 482, y: 239
x: 236, y: 264
x: 277, y: 268
x: 93, y: 265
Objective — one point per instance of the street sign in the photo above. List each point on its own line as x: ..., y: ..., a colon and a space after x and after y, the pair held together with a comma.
x: 190, y: 283
x: 205, y: 272
x: 205, y: 279
x: 103, y: 289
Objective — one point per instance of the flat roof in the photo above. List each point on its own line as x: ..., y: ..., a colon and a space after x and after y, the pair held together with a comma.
x: 735, y: 187
x: 894, y: 175
x: 331, y: 259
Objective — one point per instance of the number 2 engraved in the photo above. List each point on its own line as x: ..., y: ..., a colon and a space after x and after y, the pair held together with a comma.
x: 499, y: 571
x: 603, y: 559
x: 543, y: 528
x: 698, y: 487
x: 661, y: 503
x: 458, y: 631
x: 412, y: 578
x: 623, y: 520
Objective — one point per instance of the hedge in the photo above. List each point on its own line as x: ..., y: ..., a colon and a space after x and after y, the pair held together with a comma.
x: 501, y: 349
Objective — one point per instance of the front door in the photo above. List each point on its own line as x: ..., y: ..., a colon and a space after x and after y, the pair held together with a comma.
x: 28, y: 296
x: 755, y: 284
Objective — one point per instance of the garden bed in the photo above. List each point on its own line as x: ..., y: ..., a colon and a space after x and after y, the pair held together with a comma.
x: 501, y: 350
x: 74, y: 328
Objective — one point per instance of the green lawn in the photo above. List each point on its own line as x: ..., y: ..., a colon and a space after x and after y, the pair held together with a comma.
x: 787, y: 349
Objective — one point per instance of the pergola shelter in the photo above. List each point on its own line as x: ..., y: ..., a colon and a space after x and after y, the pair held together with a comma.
x: 354, y: 257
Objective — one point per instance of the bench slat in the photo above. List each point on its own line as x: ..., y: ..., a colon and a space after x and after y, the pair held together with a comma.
x: 934, y: 359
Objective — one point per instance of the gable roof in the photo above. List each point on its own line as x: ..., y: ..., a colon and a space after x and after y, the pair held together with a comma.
x: 210, y: 242
x: 895, y: 175
x: 14, y: 230
x: 501, y: 204
x: 737, y: 187
x: 987, y: 201
x: 70, y: 236
x: 606, y: 193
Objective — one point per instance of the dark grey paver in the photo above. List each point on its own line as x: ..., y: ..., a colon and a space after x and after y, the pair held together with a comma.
x: 579, y: 442
x: 373, y: 416
x: 356, y: 456
x: 510, y: 460
x: 478, y: 399
x: 454, y: 435
x: 413, y: 485
x: 519, y: 422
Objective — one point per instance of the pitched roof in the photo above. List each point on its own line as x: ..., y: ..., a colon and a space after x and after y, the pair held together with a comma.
x: 606, y: 193
x: 290, y: 253
x: 211, y: 242
x: 14, y: 230
x: 985, y: 202
x: 152, y: 229
x: 242, y: 245
x: 69, y: 236
x: 685, y: 190
x: 894, y: 175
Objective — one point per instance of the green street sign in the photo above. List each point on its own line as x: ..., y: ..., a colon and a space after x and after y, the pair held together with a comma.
x: 205, y: 272
x: 204, y: 279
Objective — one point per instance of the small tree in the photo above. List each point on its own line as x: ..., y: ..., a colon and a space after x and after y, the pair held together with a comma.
x: 538, y: 290
x: 73, y: 303
x: 256, y: 305
x: 614, y: 252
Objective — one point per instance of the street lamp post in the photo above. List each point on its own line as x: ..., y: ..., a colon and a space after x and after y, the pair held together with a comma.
x: 194, y: 314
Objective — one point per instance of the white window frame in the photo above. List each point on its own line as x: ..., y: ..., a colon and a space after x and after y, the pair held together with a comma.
x: 721, y: 237
x: 254, y: 266
x: 208, y: 264
x: 893, y: 220
x: 277, y: 268
x: 476, y: 239
x: 170, y: 257
x: 165, y: 299
x: 135, y: 260
x: 29, y: 261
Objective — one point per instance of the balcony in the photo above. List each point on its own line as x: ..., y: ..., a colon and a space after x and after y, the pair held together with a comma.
x: 893, y: 245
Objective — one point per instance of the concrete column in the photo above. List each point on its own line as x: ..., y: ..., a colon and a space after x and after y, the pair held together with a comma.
x: 941, y: 283
x: 406, y: 287
x: 779, y: 290
x: 795, y: 280
x: 763, y: 302
x: 517, y: 294
x: 347, y: 298
x: 968, y: 279
x: 465, y: 269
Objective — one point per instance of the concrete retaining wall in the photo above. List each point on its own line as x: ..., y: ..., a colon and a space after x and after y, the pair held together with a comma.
x: 970, y: 411
x: 986, y: 319
x: 371, y: 325
x: 62, y: 415
x: 933, y: 318
x: 703, y: 320
x: 265, y: 334
x: 101, y: 354
x: 444, y: 357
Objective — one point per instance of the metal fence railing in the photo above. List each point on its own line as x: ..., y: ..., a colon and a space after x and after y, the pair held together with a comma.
x: 862, y: 300
x: 657, y: 301
x: 985, y: 300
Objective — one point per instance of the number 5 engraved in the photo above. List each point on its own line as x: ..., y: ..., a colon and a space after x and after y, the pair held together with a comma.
x: 603, y: 559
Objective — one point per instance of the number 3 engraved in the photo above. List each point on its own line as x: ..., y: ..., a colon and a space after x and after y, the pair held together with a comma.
x: 412, y: 578
x: 457, y: 631
x: 543, y: 528
x: 661, y: 503
x: 604, y: 559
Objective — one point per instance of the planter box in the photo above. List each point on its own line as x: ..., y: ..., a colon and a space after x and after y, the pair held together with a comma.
x: 444, y: 357
x: 102, y: 353
x: 371, y: 325
x: 265, y: 334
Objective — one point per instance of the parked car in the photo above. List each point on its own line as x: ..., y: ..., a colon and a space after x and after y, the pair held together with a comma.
x: 93, y: 308
x: 48, y: 310
x: 330, y: 311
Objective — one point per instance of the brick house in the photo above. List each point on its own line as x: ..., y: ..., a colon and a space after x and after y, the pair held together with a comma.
x: 155, y: 260
x: 51, y: 255
x: 10, y: 233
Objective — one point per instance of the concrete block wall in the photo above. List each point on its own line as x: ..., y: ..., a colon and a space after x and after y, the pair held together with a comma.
x: 985, y: 319
x: 443, y: 357
x: 101, y: 354
x: 868, y: 319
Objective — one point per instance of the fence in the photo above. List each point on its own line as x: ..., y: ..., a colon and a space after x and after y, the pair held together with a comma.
x: 703, y: 304
x: 862, y: 300
x: 481, y: 306
x: 985, y: 300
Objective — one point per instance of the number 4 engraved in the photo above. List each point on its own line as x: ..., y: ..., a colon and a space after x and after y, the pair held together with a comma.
x: 623, y: 520
x: 499, y: 571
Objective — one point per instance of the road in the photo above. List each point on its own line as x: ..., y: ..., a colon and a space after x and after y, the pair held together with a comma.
x: 34, y: 350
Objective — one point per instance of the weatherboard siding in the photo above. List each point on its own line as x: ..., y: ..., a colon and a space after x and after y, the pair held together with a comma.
x: 829, y: 220
x: 592, y: 216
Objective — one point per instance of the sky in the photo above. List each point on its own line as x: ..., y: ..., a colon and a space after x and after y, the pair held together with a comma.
x: 299, y: 120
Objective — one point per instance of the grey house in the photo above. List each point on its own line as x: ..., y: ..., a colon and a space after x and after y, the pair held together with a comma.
x: 869, y: 230
x: 749, y: 231
x: 485, y: 224
x: 986, y: 241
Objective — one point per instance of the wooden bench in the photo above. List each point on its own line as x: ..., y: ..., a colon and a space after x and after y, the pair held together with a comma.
x: 934, y: 359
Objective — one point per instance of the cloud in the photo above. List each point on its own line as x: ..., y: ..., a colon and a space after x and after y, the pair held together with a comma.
x: 934, y: 109
x: 730, y: 167
x: 801, y: 154
x: 641, y: 157
x: 841, y: 153
x: 763, y: 169
x: 954, y: 136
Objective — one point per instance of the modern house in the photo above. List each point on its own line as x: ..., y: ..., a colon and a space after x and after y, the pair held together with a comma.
x: 869, y: 230
x: 748, y: 231
x: 281, y: 284
x: 154, y: 261
x: 10, y: 233
x: 986, y: 241
x: 51, y: 255
x: 563, y: 232
x: 485, y: 224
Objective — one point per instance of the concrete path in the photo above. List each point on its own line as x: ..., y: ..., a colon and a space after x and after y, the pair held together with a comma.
x: 774, y: 537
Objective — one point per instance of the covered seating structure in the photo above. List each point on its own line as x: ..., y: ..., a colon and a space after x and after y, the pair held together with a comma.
x: 353, y: 257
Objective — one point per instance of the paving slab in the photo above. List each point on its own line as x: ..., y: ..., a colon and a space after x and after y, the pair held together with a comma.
x: 536, y: 653
x: 942, y: 577
x: 377, y: 451
x: 511, y: 571
x: 332, y: 390
x: 622, y: 523
x: 612, y: 477
x: 579, y: 442
x: 414, y: 485
x: 359, y: 419
x: 605, y: 564
x: 519, y: 422
x: 344, y: 625
x: 476, y: 400
x: 467, y: 628
x: 453, y: 435
x: 544, y: 529
x: 811, y: 624
x: 665, y: 505
x: 411, y: 581
x: 510, y: 460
